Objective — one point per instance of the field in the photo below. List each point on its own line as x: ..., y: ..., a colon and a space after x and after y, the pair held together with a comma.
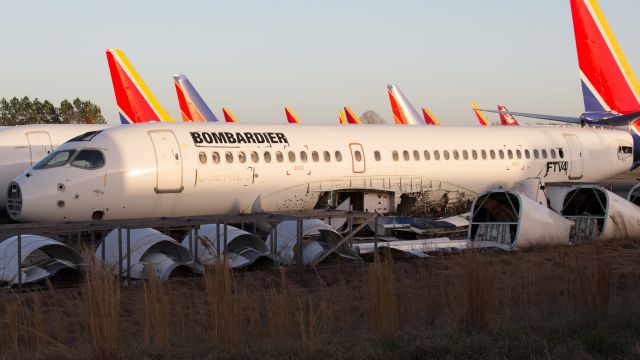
x: 569, y: 302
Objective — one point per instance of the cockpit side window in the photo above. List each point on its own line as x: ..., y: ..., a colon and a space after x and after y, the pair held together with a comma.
x: 88, y: 159
x: 88, y: 136
x: 55, y: 159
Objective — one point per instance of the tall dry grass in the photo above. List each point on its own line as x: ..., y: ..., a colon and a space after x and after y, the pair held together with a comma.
x: 478, y: 287
x: 102, y: 307
x: 220, y: 286
x: 383, y: 311
x: 594, y: 285
x: 156, y: 321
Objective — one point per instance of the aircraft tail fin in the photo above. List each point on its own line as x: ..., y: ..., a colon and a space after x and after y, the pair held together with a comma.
x: 403, y: 111
x: 429, y: 118
x: 228, y: 116
x: 292, y: 118
x: 608, y: 82
x: 342, y: 118
x: 351, y: 116
x: 192, y: 106
x: 506, y: 119
x: 480, y: 115
x: 135, y: 101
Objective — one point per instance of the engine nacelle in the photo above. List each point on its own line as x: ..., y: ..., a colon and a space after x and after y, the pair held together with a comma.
x: 598, y: 213
x: 513, y: 220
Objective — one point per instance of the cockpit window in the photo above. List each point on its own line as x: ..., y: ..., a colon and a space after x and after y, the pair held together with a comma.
x: 88, y: 159
x: 55, y: 159
x: 86, y: 136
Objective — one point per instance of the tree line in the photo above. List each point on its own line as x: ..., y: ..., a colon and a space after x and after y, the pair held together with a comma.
x: 25, y: 111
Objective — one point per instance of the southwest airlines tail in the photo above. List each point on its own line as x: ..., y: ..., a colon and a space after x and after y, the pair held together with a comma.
x: 192, y: 106
x: 403, y: 111
x: 608, y: 83
x: 429, y: 119
x: 292, y: 118
x: 506, y: 119
x: 135, y: 102
x: 228, y: 116
x: 351, y: 117
x: 481, y: 118
x: 341, y: 118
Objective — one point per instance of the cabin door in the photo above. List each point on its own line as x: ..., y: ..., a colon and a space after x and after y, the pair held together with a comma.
x: 168, y: 161
x: 575, y: 151
x: 39, y: 145
x: 358, y: 164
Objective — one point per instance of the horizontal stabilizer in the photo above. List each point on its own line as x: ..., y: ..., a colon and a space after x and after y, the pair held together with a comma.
x: 566, y: 119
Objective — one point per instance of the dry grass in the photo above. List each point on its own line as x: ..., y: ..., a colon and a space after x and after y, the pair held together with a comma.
x: 540, y: 303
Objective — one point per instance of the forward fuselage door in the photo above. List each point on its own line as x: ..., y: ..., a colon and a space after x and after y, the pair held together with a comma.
x: 577, y: 159
x: 39, y: 145
x: 358, y: 163
x: 168, y: 161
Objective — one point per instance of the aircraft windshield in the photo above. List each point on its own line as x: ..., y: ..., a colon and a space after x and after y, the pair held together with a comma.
x: 55, y: 159
x: 88, y: 159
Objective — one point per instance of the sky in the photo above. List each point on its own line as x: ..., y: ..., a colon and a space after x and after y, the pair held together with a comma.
x: 256, y: 57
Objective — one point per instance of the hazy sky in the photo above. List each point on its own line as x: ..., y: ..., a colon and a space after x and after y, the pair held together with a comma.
x: 258, y: 56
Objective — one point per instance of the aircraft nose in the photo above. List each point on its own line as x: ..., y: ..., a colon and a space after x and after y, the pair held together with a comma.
x: 14, y: 201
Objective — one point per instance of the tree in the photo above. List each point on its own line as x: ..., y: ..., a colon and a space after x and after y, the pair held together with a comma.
x: 25, y: 111
x: 371, y: 117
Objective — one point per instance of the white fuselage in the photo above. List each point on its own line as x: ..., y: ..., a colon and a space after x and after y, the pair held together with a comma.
x: 24, y: 145
x: 196, y: 169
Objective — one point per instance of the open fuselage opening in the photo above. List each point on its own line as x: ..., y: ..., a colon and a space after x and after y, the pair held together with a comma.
x: 587, y: 207
x: 495, y: 217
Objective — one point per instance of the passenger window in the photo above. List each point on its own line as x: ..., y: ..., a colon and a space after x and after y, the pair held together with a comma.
x: 405, y: 155
x: 357, y: 155
x: 493, y: 154
x: 228, y: 156
x: 254, y: 157
x: 553, y: 153
x: 315, y: 156
x: 267, y: 157
x: 394, y: 155
x: 416, y: 155
x: 427, y: 156
x: 519, y: 154
x: 279, y: 157
x: 501, y: 153
x: 510, y: 154
x: 474, y: 154
x: 338, y: 156
x: 303, y: 156
x: 292, y: 156
x: 203, y: 157
x: 527, y: 154
x: 376, y: 155
x: 484, y: 154
x: 436, y: 154
x: 55, y: 159
x: 215, y: 157
x: 561, y: 153
x: 536, y: 154
x: 89, y: 159
x: 446, y: 154
x: 327, y: 156
x: 242, y: 157
x: 544, y: 153
x: 456, y: 155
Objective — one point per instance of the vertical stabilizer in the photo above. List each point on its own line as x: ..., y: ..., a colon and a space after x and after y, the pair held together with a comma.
x: 192, y: 106
x: 292, y: 118
x: 135, y: 101
x: 228, y: 116
x: 403, y: 111
x: 429, y: 119
x: 480, y: 115
x: 608, y: 83
x: 351, y: 117
x: 342, y: 119
x: 506, y: 119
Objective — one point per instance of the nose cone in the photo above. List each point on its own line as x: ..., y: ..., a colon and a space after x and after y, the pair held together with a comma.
x: 14, y: 201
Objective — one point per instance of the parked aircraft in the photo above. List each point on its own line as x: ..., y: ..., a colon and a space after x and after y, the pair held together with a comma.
x: 479, y: 115
x: 228, y: 116
x: 292, y: 118
x: 429, y: 118
x: 192, y: 105
x: 403, y: 112
x: 341, y: 118
x: 206, y: 168
x: 352, y: 118
x: 506, y: 119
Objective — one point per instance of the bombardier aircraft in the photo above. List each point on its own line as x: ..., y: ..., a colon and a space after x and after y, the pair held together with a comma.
x: 181, y: 169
